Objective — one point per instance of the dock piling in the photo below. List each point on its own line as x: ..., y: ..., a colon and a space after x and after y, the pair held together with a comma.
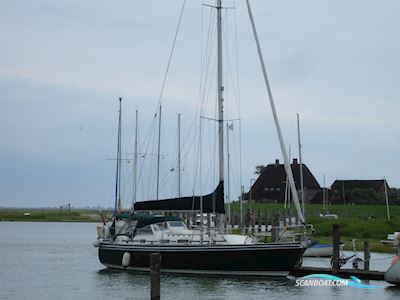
x: 336, y: 247
x: 155, y: 265
x: 367, y: 255
x: 275, y: 228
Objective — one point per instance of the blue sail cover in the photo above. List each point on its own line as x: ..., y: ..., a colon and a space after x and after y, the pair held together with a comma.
x: 213, y: 202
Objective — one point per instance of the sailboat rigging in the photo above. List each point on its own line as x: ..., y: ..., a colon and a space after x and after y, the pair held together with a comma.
x: 136, y: 235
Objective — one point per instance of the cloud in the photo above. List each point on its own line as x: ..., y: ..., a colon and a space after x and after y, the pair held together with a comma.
x: 64, y: 64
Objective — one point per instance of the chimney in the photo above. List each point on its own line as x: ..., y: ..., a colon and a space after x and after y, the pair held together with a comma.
x: 276, y: 162
x: 295, y: 161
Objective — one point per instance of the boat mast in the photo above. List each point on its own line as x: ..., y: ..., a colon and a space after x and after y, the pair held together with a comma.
x: 220, y: 96
x: 301, y: 167
x: 287, y: 187
x: 201, y: 187
x: 323, y: 197
x: 135, y: 160
x: 228, y: 198
x: 118, y: 202
x: 275, y: 116
x: 179, y: 155
x: 158, y: 152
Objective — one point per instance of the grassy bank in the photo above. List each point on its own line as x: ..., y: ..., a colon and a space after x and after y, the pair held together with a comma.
x: 49, y: 215
x: 361, y: 222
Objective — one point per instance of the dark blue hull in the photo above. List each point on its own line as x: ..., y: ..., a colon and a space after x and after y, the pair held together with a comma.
x: 276, y: 259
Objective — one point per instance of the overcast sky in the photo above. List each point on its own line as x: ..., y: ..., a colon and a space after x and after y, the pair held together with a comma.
x: 63, y: 65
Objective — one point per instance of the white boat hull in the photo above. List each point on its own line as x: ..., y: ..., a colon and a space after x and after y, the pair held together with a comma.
x: 392, y: 275
x: 319, y: 250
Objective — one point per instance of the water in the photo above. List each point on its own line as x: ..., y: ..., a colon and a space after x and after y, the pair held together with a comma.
x: 57, y: 261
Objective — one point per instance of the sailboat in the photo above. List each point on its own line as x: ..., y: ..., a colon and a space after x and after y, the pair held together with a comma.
x: 129, y: 239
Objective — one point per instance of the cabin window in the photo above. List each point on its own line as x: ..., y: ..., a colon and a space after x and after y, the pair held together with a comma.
x: 178, y: 224
x: 161, y: 226
x: 144, y: 230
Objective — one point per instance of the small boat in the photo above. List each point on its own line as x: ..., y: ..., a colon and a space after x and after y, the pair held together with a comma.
x: 392, y: 275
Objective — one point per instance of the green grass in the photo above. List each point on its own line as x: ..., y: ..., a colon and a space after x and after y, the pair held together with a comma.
x: 49, y: 215
x: 357, y: 227
x: 361, y: 222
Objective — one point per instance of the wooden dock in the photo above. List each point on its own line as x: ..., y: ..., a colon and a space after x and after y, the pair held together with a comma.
x: 345, y: 273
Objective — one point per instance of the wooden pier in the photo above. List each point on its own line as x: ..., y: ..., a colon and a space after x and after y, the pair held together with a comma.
x: 365, y: 274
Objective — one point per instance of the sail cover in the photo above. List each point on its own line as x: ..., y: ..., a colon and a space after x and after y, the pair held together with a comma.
x: 213, y: 202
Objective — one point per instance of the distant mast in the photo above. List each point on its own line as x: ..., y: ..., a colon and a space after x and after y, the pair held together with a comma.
x: 158, y: 153
x: 118, y: 201
x: 135, y: 161
x: 179, y: 155
x: 301, y: 167
x: 228, y: 194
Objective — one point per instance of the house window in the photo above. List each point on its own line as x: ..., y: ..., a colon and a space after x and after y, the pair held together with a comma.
x: 272, y: 189
x: 266, y: 189
x: 278, y: 189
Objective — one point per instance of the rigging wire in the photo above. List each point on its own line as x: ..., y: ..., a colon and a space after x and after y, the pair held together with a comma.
x: 170, y: 55
x: 195, y: 137
x: 151, y: 130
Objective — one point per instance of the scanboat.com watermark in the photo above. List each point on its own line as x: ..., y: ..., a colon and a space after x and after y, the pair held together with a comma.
x: 321, y: 280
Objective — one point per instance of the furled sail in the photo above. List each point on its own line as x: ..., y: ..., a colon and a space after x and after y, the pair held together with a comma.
x: 213, y: 202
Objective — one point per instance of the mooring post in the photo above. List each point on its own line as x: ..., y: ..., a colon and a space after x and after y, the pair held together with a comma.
x: 275, y: 228
x: 336, y: 247
x: 367, y: 255
x: 155, y: 264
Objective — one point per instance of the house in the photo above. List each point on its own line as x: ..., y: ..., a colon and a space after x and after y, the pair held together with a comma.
x: 358, y: 191
x: 271, y: 184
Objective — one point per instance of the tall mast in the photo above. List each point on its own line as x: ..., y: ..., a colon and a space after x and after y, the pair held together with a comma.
x: 275, y: 116
x: 201, y: 186
x: 158, y: 152
x: 228, y: 176
x: 135, y: 161
x: 220, y: 95
x: 301, y: 167
x: 324, y: 197
x: 119, y: 155
x: 287, y: 187
x: 179, y: 155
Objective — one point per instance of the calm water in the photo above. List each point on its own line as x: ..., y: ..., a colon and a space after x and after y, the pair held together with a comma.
x: 58, y: 261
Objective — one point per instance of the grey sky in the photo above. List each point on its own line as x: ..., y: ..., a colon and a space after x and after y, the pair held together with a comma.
x: 63, y: 64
